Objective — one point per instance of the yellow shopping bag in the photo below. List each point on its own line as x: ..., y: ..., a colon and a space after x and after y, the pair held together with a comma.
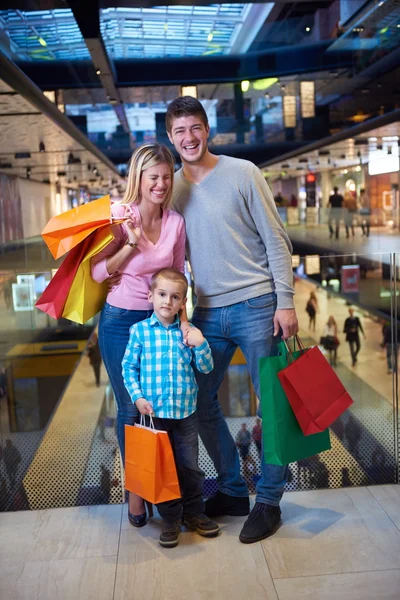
x: 86, y: 297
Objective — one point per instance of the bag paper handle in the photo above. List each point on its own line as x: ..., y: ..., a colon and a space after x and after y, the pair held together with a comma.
x: 289, y: 352
x: 143, y: 421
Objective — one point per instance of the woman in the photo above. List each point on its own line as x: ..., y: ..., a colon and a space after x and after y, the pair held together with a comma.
x: 331, y: 341
x: 311, y: 310
x: 150, y: 238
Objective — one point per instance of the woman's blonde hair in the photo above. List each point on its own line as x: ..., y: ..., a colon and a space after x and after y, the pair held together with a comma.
x: 144, y: 157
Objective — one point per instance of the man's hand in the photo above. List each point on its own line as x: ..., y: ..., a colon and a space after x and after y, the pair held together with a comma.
x: 286, y: 319
x: 114, y: 280
x: 144, y: 407
x: 194, y: 337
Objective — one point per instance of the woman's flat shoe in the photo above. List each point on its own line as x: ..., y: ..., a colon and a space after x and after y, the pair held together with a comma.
x: 141, y: 520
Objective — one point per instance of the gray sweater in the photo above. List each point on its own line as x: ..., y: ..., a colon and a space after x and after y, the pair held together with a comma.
x: 236, y: 243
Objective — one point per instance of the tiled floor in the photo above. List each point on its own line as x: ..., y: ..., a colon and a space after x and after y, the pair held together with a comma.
x: 333, y: 544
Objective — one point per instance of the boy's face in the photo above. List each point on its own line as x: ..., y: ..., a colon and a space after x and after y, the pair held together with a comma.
x: 189, y: 135
x: 167, y: 298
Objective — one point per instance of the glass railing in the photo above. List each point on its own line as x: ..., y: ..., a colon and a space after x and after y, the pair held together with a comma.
x: 57, y: 429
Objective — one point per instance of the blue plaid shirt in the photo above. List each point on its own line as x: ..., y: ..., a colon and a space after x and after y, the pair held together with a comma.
x: 157, y: 365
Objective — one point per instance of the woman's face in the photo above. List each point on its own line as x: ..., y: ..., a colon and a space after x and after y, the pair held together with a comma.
x: 155, y: 184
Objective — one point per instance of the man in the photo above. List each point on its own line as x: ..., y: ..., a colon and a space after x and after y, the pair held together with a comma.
x: 352, y: 326
x: 240, y: 256
x: 389, y: 342
x: 335, y: 213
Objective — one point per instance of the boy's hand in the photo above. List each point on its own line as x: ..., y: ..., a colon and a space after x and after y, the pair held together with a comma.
x: 193, y: 337
x: 144, y: 407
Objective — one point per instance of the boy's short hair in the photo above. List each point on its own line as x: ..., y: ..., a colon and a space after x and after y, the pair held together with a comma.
x: 185, y: 106
x: 171, y: 275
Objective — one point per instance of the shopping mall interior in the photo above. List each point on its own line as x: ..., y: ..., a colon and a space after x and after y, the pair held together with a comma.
x: 307, y: 90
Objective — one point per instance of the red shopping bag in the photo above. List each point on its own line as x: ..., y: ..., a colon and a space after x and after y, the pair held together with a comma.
x: 315, y: 392
x: 150, y: 470
x: 54, y: 297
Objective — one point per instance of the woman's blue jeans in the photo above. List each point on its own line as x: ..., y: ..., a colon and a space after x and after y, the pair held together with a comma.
x: 249, y: 326
x: 113, y: 338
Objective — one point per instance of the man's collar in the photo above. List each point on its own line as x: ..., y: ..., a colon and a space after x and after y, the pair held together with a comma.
x: 155, y: 321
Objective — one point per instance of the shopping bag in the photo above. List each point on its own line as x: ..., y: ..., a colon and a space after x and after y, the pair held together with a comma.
x: 150, y: 470
x: 53, y: 299
x: 65, y: 231
x: 283, y: 440
x: 86, y: 297
x: 315, y: 392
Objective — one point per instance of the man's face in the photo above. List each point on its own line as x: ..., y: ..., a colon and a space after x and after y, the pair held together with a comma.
x: 189, y: 136
x: 351, y: 312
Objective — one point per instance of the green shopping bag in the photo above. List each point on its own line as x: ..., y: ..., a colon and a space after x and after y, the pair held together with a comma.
x: 283, y: 440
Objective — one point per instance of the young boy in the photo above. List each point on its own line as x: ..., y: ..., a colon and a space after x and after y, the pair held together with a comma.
x: 159, y: 377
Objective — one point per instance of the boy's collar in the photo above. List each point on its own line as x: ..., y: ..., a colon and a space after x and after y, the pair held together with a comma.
x: 155, y: 321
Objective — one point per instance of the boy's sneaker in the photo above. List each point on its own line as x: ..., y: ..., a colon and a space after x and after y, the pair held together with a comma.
x: 202, y: 525
x: 169, y: 537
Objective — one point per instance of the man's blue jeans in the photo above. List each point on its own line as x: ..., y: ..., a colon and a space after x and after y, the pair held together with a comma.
x: 114, y: 328
x: 249, y: 326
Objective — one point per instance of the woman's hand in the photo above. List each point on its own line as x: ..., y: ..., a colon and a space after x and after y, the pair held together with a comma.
x: 144, y: 407
x: 185, y: 328
x: 194, y: 337
x: 133, y: 230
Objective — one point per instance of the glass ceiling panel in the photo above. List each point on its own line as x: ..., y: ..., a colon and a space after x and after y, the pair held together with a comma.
x: 42, y: 35
x: 127, y: 32
x: 172, y: 30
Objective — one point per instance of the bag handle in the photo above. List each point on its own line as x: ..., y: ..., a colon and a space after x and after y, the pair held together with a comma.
x: 289, y: 352
x: 143, y: 421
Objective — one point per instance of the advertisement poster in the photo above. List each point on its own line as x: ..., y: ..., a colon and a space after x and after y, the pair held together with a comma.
x: 22, y: 297
x: 351, y: 279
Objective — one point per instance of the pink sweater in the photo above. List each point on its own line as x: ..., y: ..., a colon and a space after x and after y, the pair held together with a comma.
x: 138, y: 269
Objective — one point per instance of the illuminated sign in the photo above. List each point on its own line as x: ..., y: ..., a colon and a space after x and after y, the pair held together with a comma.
x: 350, y: 279
x: 312, y: 264
x: 307, y: 99
x: 383, y: 158
x: 289, y: 111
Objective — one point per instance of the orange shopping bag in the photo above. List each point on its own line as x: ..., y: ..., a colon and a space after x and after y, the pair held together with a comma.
x: 65, y: 231
x: 150, y: 470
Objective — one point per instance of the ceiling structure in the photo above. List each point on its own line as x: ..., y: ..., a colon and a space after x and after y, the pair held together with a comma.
x: 108, y: 56
x: 153, y: 32
x: 34, y: 147
x: 351, y: 150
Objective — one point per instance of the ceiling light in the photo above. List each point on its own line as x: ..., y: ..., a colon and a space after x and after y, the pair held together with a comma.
x: 210, y: 37
x: 308, y: 29
x: 264, y: 84
x: 98, y: 72
x: 42, y: 147
x: 42, y: 42
x: 358, y: 168
x: 245, y: 85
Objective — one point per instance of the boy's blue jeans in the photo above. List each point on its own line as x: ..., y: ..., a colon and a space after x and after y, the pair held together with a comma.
x: 249, y: 326
x: 184, y: 438
x: 113, y: 338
